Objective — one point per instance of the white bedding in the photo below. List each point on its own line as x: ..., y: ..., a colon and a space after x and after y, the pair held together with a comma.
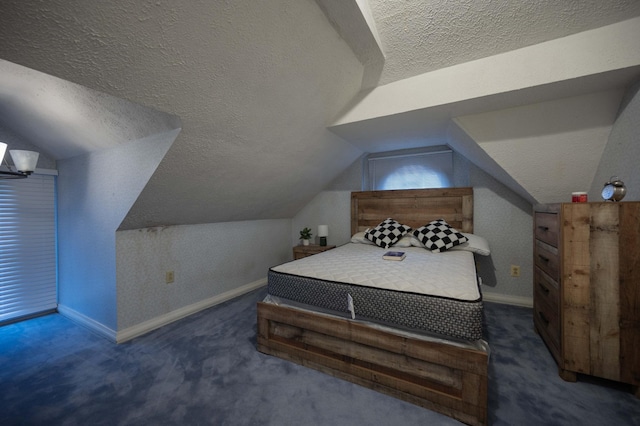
x: 450, y: 274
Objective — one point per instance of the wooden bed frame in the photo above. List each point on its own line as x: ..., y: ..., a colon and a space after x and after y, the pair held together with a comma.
x: 445, y: 378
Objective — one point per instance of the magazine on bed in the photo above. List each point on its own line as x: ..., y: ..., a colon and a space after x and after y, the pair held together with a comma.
x: 394, y: 255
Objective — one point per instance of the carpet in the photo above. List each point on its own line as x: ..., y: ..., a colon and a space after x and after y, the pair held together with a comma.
x: 205, y: 370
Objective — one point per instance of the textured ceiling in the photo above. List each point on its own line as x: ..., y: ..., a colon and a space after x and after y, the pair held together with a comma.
x: 556, y: 64
x: 55, y: 113
x: 550, y: 148
x: 422, y: 36
x: 255, y: 84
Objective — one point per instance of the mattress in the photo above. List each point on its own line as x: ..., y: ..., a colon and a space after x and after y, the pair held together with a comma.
x: 434, y: 293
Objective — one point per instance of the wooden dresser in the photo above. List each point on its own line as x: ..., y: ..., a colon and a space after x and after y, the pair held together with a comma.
x: 587, y: 288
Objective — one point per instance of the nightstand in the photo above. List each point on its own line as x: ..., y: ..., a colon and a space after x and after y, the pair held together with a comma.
x: 303, y: 251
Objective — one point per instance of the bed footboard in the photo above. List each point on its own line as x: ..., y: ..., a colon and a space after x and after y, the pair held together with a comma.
x: 448, y: 379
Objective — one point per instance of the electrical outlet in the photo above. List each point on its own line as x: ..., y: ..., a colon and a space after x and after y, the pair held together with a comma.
x: 515, y: 270
x: 169, y: 277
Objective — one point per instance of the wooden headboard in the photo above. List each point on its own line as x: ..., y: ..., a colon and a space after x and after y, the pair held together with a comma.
x: 413, y: 207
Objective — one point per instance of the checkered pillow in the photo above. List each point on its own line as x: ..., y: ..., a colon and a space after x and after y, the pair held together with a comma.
x: 387, y: 233
x: 438, y: 236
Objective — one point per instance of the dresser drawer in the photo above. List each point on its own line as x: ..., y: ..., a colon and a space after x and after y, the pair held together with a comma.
x: 546, y: 289
x: 547, y: 320
x: 547, y: 228
x: 546, y: 258
x: 546, y: 311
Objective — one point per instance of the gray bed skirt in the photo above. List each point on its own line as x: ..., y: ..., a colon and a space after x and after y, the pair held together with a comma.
x: 440, y: 316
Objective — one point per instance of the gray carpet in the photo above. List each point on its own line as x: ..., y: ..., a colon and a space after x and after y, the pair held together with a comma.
x: 205, y: 370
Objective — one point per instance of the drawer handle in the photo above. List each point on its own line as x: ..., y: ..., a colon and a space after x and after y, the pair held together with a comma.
x: 546, y: 290
x: 544, y: 228
x: 543, y: 318
x: 543, y: 258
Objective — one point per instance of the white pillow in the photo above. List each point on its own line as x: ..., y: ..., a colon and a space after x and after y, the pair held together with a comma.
x: 405, y: 241
x: 475, y: 244
x: 360, y: 239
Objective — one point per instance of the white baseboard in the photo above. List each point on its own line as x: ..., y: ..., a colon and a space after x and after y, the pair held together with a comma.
x: 85, y: 321
x: 152, y: 324
x: 526, y: 302
x: 147, y: 326
x: 157, y: 322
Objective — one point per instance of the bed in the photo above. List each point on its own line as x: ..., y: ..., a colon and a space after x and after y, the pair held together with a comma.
x: 345, y: 327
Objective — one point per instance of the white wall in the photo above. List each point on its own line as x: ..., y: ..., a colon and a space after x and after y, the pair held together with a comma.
x: 332, y: 208
x: 500, y: 215
x: 505, y: 220
x: 621, y: 156
x: 208, y: 260
x: 95, y: 192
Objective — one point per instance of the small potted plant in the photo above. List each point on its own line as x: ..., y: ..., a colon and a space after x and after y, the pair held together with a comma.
x: 305, y: 236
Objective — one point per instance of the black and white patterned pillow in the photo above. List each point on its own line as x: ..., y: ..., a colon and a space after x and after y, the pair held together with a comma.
x: 387, y: 233
x: 439, y: 236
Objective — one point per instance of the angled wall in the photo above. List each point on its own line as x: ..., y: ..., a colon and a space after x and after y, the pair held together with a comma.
x: 622, y: 153
x: 95, y: 193
x: 211, y: 263
x: 500, y: 215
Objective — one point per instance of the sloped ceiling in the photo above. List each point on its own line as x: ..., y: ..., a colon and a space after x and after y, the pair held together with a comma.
x: 563, y: 67
x: 254, y: 84
x: 550, y: 148
x: 257, y: 84
x: 66, y: 120
x: 423, y: 36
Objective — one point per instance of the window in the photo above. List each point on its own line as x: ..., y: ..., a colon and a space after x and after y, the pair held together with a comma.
x: 409, y: 169
x: 28, y: 263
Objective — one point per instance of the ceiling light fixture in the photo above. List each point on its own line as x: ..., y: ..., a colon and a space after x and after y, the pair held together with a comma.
x: 24, y: 163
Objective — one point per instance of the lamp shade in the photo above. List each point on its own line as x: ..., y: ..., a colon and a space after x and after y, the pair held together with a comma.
x: 3, y: 149
x: 25, y: 161
x: 323, y: 230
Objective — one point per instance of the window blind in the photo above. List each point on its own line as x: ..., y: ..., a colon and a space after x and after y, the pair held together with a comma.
x: 28, y: 256
x: 410, y: 170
